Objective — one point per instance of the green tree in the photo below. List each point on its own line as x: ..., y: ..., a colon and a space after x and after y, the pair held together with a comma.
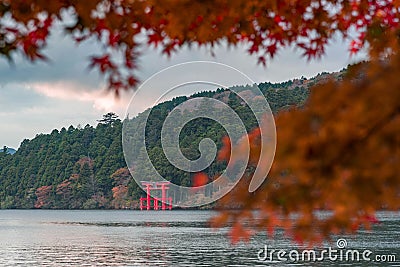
x: 109, y: 119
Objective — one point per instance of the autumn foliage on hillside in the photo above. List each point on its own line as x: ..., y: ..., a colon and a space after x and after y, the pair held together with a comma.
x: 340, y: 152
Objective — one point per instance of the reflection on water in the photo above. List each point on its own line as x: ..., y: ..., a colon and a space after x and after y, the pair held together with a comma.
x: 198, y: 224
x: 151, y: 238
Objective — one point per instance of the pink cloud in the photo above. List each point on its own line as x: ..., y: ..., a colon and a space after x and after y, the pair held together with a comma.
x: 100, y: 99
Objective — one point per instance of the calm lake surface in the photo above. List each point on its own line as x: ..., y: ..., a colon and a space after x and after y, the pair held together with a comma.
x: 159, y: 238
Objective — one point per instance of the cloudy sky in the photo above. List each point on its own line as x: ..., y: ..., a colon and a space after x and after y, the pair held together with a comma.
x: 36, y: 98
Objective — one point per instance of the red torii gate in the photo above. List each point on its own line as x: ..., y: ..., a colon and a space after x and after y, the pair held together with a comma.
x: 166, y: 202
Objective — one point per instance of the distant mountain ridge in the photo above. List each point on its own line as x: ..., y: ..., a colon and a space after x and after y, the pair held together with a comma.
x: 10, y: 150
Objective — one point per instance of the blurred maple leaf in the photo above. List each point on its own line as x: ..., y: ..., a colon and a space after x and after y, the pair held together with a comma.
x: 267, y: 26
x: 340, y: 152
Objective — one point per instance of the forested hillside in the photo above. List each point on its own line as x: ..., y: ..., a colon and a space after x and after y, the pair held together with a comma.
x: 84, y: 167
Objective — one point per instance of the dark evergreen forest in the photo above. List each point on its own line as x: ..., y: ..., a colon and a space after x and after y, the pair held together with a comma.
x: 84, y: 167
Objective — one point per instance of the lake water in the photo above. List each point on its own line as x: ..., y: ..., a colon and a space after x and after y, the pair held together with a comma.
x: 158, y: 238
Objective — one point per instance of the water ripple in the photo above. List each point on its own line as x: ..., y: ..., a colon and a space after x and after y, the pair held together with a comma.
x: 178, y: 238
